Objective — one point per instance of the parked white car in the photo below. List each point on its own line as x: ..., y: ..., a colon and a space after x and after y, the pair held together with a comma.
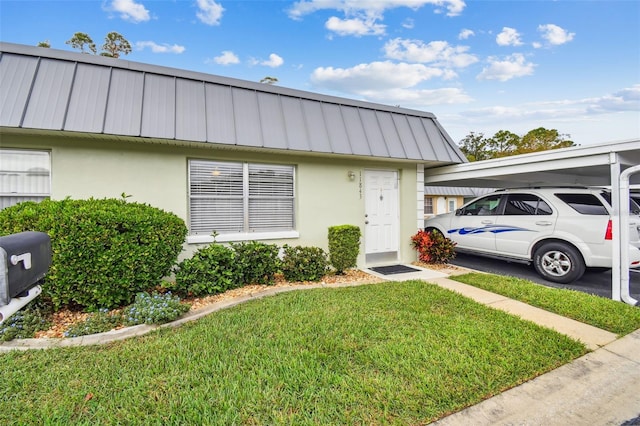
x: 562, y: 231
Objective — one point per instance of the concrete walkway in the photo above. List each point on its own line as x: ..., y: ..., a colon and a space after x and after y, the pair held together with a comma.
x: 600, y: 388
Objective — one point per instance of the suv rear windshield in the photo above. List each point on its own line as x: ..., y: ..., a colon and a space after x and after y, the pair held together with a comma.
x: 633, y: 206
x: 584, y: 203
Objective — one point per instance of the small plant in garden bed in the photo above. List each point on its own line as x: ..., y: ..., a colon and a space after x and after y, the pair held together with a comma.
x: 26, y: 322
x: 154, y: 308
x: 433, y: 247
x: 97, y: 322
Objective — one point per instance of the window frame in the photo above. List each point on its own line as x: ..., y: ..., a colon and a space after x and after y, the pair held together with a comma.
x: 245, y: 233
x: 25, y: 195
x: 428, y: 205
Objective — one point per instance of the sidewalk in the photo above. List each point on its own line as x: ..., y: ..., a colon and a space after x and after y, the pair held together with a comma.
x: 600, y: 388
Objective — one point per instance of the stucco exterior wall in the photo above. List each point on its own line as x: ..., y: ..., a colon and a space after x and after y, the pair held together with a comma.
x: 157, y: 174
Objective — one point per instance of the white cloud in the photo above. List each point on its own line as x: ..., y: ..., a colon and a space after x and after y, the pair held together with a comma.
x: 306, y: 7
x: 624, y: 100
x: 129, y: 10
x: 209, y: 12
x: 554, y: 34
x: 274, y: 61
x: 356, y: 26
x: 389, y: 83
x: 465, y: 34
x: 417, y: 98
x: 363, y: 17
x: 226, y: 58
x: 436, y: 52
x: 408, y: 23
x: 511, y: 67
x: 159, y: 48
x: 375, y: 75
x: 508, y: 37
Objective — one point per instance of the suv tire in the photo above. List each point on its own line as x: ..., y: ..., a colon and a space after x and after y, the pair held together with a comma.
x: 558, y: 262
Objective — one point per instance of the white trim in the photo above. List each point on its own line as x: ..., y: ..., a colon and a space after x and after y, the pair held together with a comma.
x: 225, y: 238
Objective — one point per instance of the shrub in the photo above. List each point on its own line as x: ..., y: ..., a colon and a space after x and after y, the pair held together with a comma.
x: 344, y: 246
x: 257, y: 262
x: 211, y: 270
x: 104, y: 251
x: 304, y: 263
x: 433, y: 247
x: 97, y: 322
x: 26, y: 322
x: 154, y: 308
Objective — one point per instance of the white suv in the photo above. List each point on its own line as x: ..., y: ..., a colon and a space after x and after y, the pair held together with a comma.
x: 562, y: 231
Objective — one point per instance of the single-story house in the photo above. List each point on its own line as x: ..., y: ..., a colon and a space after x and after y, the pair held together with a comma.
x: 246, y: 160
x: 445, y: 199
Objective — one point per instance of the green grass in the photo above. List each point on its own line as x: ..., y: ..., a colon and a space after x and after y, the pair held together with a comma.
x: 390, y: 353
x: 607, y: 314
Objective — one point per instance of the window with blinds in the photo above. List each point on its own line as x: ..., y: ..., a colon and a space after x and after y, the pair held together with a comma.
x: 25, y: 175
x: 229, y: 198
x: 428, y: 205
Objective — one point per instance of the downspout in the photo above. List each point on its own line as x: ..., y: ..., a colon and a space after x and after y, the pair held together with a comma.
x: 624, y: 234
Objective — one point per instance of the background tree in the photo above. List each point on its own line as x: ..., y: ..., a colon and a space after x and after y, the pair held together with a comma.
x: 44, y: 44
x: 269, y: 80
x: 505, y: 143
x: 115, y: 45
x: 541, y: 139
x: 80, y: 41
x: 475, y: 147
x: 502, y: 144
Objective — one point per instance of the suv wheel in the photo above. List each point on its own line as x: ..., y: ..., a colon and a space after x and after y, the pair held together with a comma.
x: 558, y: 262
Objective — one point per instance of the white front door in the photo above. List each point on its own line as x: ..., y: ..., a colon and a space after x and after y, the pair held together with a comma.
x: 381, y: 212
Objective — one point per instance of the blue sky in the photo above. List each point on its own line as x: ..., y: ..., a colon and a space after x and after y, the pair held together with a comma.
x: 479, y: 66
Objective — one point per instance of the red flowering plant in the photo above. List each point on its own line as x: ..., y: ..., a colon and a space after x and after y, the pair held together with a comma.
x: 433, y: 247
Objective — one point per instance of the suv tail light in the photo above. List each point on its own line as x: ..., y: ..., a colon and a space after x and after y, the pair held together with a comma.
x: 608, y: 235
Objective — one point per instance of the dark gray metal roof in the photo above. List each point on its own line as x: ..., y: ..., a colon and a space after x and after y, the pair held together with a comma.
x: 57, y: 90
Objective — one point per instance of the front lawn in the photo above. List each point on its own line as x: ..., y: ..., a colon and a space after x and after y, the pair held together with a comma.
x: 389, y: 353
x: 607, y: 314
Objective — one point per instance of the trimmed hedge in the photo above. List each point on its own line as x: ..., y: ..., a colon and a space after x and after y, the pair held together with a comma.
x: 344, y: 246
x: 304, y: 263
x: 211, y: 270
x: 105, y: 251
x: 257, y: 262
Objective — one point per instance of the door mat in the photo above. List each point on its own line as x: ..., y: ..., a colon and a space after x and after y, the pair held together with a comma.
x: 393, y: 269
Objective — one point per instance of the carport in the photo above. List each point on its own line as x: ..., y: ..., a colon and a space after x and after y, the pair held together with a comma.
x: 612, y: 164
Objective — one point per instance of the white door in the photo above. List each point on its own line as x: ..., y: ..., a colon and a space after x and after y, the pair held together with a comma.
x: 381, y: 211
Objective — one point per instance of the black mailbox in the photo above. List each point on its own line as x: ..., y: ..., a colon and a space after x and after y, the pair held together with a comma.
x: 24, y: 260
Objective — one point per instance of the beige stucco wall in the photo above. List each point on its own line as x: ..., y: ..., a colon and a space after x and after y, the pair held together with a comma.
x: 157, y: 174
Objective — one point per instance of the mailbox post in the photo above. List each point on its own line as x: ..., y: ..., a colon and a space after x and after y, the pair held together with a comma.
x: 25, y: 259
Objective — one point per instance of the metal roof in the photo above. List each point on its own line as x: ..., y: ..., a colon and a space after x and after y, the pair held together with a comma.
x: 454, y: 191
x: 48, y: 89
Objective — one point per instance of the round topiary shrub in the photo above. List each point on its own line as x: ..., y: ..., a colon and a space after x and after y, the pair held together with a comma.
x: 105, y: 251
x: 257, y: 262
x: 304, y: 263
x: 211, y: 270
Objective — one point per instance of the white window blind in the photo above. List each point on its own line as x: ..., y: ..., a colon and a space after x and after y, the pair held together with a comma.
x: 24, y: 176
x: 240, y: 198
x: 428, y: 205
